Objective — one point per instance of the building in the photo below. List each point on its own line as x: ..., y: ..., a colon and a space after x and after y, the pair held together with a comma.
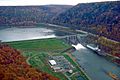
x: 52, y: 62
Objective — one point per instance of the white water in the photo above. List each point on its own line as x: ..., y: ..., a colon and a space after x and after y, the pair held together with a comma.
x: 78, y: 46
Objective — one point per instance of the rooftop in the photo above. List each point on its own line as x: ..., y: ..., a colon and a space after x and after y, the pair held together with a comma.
x: 52, y: 62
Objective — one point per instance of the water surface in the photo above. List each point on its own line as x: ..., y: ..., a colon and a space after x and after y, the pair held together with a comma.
x: 95, y: 65
x: 17, y: 34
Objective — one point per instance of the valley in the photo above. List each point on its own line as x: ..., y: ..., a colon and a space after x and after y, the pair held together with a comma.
x: 38, y: 52
x: 60, y: 42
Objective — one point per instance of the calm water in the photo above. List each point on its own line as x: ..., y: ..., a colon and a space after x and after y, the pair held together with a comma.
x: 16, y: 34
x: 95, y: 65
x: 92, y: 63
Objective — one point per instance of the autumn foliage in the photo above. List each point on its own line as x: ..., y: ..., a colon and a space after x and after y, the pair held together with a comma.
x: 13, y: 66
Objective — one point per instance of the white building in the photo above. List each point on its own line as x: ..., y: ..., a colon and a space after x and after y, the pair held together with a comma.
x: 52, y: 62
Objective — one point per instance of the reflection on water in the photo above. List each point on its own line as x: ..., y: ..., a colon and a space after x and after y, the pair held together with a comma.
x: 15, y: 34
x: 94, y: 64
x: 88, y: 60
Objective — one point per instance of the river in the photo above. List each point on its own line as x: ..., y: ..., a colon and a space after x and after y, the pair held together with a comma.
x: 93, y: 64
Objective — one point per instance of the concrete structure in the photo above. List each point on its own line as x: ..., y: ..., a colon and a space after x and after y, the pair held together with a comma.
x: 60, y: 64
x: 52, y: 62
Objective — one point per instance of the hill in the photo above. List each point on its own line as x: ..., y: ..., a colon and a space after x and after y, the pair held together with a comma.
x: 29, y: 15
x: 13, y: 66
x: 101, y: 18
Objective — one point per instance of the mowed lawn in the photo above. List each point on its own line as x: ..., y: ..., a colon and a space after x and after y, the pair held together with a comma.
x: 52, y: 44
x: 40, y: 61
x: 37, y: 52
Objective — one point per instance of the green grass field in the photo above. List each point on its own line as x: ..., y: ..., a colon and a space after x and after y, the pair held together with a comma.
x: 40, y: 45
x: 40, y: 62
x: 37, y: 52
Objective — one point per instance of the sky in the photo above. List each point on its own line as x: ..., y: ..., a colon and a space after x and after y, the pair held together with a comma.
x: 45, y: 2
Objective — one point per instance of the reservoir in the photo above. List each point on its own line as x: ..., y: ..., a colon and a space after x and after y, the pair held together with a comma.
x: 92, y: 64
x: 17, y: 34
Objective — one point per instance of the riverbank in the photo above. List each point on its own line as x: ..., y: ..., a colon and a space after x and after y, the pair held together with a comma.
x: 38, y: 51
x: 93, y: 64
x: 73, y: 60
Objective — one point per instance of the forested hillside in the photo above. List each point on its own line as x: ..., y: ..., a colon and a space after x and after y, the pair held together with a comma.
x: 29, y: 15
x: 13, y: 66
x: 101, y: 18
